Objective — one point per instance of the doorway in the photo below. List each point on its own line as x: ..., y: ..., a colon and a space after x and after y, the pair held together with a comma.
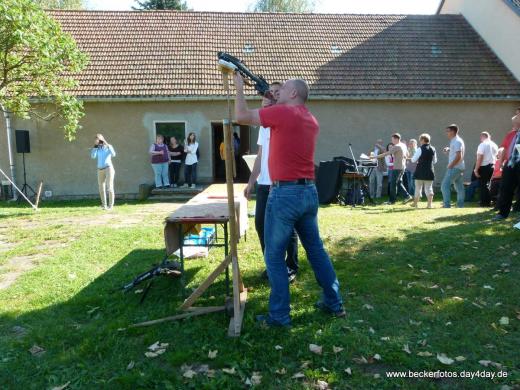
x: 219, y: 170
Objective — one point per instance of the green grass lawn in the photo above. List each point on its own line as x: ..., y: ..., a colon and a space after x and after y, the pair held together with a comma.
x: 416, y: 283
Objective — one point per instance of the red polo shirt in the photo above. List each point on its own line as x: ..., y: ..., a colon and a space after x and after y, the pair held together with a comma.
x: 294, y: 131
x: 506, y: 143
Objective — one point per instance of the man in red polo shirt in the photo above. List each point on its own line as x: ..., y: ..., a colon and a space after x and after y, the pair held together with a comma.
x: 293, y: 199
x: 511, y: 169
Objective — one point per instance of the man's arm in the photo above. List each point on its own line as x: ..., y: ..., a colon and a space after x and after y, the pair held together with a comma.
x: 478, y: 163
x: 254, y: 173
x: 244, y: 115
x: 458, y: 157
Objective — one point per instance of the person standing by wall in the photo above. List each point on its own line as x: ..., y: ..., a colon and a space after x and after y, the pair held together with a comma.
x: 176, y: 152
x: 399, y: 152
x: 260, y: 175
x: 455, y: 172
x: 377, y: 174
x: 103, y: 152
x: 190, y: 164
x: 486, y: 157
x: 160, y: 157
x: 410, y: 167
x: 511, y: 170
x: 425, y: 157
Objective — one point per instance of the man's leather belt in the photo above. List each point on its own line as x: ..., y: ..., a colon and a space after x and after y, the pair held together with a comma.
x: 293, y: 182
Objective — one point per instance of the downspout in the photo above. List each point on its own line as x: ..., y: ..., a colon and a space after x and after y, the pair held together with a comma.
x: 7, y: 116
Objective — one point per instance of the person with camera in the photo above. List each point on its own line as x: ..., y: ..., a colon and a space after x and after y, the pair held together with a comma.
x: 293, y: 199
x: 103, y: 152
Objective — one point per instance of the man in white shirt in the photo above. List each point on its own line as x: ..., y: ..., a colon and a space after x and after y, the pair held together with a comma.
x: 486, y: 157
x: 260, y: 175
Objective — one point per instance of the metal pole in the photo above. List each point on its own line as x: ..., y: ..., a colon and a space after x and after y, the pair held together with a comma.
x: 7, y: 116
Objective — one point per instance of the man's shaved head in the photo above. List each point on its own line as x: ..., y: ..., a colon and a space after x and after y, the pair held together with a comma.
x: 301, y: 87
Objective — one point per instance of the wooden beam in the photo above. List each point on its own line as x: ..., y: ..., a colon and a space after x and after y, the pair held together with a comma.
x: 204, y: 286
x: 235, y: 324
x: 194, y: 312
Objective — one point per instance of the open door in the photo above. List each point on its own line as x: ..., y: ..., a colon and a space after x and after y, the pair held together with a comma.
x: 219, y: 170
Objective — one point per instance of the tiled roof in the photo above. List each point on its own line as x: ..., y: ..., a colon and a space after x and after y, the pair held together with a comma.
x: 163, y: 54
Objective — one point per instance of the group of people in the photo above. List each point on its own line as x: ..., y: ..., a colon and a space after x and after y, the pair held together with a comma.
x: 496, y: 171
x: 167, y: 159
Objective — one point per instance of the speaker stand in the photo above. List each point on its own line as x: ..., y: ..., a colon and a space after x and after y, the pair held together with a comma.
x: 26, y: 188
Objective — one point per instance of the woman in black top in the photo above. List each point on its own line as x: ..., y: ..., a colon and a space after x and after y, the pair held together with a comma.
x: 176, y: 154
x: 424, y: 174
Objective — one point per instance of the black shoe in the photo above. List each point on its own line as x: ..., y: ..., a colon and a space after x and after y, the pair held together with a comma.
x: 498, y: 217
x: 339, y: 313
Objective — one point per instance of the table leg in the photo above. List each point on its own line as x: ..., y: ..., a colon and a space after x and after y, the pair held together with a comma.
x: 226, y: 253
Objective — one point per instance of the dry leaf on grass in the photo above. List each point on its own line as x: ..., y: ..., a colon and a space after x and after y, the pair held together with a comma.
x: 361, y: 360
x: 151, y: 354
x: 317, y: 349
x: 377, y: 376
x: 278, y: 347
x: 139, y: 291
x: 348, y: 371
x: 488, y: 287
x: 485, y: 363
x: 305, y: 364
x: 504, y: 321
x: 62, y: 387
x: 425, y: 354
x: 386, y: 338
x: 428, y: 300
x: 466, y: 267
x: 371, y: 330
x: 377, y: 356
x: 298, y: 375
x: 460, y: 358
x: 458, y: 299
x: 406, y: 348
x: 230, y: 371
x: 256, y: 378
x: 189, y: 374
x: 36, y: 350
x: 417, y: 323
x: 324, y: 369
x: 336, y: 349
x: 130, y: 365
x: 444, y: 359
x: 322, y: 385
x: 281, y: 371
x: 368, y: 307
x: 212, y: 354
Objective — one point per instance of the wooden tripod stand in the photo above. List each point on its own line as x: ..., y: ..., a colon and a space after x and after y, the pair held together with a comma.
x: 235, y: 306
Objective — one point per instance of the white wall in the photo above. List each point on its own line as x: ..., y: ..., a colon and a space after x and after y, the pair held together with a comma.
x: 496, y: 23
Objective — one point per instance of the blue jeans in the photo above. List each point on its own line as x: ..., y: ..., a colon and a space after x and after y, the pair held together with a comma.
x: 295, y: 207
x: 456, y: 177
x: 396, y: 184
x: 190, y: 174
x: 161, y: 175
x: 410, y: 182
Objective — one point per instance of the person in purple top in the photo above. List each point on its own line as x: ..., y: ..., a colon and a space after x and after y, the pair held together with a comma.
x: 160, y: 160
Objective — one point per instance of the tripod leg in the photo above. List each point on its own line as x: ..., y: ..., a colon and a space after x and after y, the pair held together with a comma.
x: 145, y: 292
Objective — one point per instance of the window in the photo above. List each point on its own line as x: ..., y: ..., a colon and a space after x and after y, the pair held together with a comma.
x: 171, y: 129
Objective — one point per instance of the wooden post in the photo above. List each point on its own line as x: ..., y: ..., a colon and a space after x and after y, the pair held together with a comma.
x: 238, y: 287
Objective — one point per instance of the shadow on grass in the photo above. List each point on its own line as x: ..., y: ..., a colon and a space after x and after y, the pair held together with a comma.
x: 89, y: 326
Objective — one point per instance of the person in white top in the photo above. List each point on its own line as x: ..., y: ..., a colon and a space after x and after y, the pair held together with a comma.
x: 190, y: 163
x: 260, y: 175
x: 486, y: 157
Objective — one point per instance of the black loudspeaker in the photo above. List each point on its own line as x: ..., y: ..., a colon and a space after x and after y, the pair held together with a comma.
x: 328, y: 182
x: 23, y: 145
